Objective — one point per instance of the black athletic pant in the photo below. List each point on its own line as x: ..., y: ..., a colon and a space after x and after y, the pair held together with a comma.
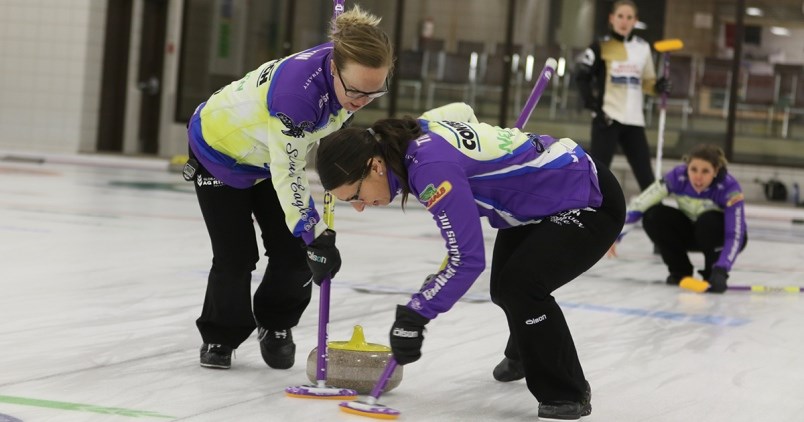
x: 633, y: 143
x: 675, y: 235
x: 282, y: 296
x: 532, y: 261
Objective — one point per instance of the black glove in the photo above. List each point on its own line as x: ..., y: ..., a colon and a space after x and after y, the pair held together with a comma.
x: 323, y: 257
x: 663, y: 86
x: 407, y: 335
x: 717, y: 280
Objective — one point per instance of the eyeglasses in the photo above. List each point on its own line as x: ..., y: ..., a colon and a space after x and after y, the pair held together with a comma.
x: 356, y: 197
x: 357, y: 94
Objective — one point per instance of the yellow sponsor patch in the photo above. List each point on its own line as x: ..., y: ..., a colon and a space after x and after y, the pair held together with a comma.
x: 735, y: 198
x: 440, y: 192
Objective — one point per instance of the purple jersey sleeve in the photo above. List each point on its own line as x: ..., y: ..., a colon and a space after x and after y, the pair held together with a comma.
x: 449, y: 199
x: 731, y: 199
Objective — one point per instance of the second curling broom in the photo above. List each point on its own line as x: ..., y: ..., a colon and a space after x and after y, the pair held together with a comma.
x: 321, y: 390
x: 370, y: 407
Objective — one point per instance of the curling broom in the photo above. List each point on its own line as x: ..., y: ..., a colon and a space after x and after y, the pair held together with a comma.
x: 321, y: 390
x: 664, y: 47
x: 701, y: 286
x: 370, y: 406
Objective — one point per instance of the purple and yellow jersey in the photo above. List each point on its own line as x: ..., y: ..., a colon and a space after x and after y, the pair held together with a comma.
x: 263, y: 125
x: 724, y: 194
x: 463, y: 171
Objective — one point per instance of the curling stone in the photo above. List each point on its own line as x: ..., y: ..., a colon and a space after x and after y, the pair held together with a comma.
x: 355, y: 364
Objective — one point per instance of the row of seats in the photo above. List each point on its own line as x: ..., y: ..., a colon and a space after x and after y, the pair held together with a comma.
x: 474, y: 75
x: 700, y: 85
x: 707, y: 82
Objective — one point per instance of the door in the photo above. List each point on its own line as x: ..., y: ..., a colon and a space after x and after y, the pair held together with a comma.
x: 149, y: 79
x: 115, y: 74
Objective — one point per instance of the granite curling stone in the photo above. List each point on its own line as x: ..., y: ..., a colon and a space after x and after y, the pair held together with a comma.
x: 355, y: 364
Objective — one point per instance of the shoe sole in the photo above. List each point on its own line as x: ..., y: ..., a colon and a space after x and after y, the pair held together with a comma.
x: 281, y: 365
x: 214, y: 366
x: 277, y: 360
x: 504, y: 379
x: 505, y: 375
x: 585, y: 412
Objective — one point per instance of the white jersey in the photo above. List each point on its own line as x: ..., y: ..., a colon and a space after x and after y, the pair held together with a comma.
x: 629, y: 74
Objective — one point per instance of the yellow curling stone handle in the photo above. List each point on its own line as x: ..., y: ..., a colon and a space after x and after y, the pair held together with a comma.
x: 358, y: 343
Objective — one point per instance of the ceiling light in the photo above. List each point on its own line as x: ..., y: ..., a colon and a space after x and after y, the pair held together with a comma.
x: 753, y: 11
x: 780, y: 31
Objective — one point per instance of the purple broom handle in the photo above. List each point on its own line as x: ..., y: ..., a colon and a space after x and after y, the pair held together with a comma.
x: 337, y: 8
x: 323, y: 327
x: 383, y: 381
x: 536, y: 93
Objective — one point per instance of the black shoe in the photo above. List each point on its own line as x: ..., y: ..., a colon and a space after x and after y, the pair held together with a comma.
x: 216, y: 356
x: 674, y: 279
x: 277, y: 348
x: 508, y: 370
x: 567, y: 410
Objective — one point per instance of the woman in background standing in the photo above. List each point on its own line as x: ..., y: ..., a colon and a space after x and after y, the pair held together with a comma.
x: 612, y: 76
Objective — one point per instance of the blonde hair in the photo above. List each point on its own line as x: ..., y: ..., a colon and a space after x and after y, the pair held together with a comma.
x: 357, y: 38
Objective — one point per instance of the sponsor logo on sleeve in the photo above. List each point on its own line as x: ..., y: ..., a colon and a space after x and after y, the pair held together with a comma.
x: 467, y: 136
x: 266, y: 73
x: 431, y: 194
x: 454, y: 261
x: 735, y: 198
x: 738, y: 234
x: 298, y: 187
x: 504, y: 140
x: 311, y: 77
x: 294, y: 130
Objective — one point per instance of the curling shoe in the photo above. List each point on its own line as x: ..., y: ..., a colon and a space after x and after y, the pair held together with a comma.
x: 567, y: 410
x: 216, y: 356
x: 674, y: 279
x: 277, y: 347
x: 508, y: 370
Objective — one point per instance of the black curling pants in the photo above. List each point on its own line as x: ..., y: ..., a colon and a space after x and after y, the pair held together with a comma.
x: 532, y: 261
x: 632, y: 141
x: 675, y: 235
x: 283, y: 294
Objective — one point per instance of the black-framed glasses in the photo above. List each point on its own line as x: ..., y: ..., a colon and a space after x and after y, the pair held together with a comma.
x: 357, y: 94
x: 356, y: 197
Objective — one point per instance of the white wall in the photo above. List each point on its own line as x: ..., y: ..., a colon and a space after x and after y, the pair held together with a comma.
x: 51, y: 55
x: 784, y: 49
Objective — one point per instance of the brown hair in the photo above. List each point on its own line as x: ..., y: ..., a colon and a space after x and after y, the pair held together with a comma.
x: 619, y: 3
x: 342, y: 156
x: 709, y: 153
x: 357, y: 38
